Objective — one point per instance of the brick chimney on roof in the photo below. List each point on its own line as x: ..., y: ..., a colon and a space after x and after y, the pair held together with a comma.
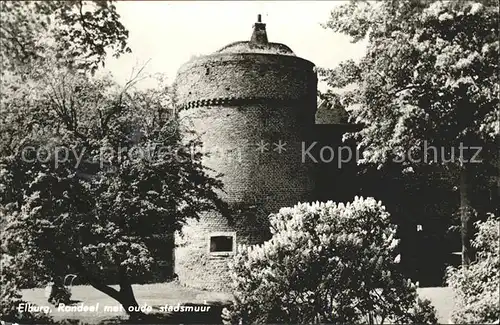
x: 259, y: 34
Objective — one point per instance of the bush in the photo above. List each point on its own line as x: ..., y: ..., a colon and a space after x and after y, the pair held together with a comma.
x: 10, y: 297
x: 325, y: 263
x: 476, y: 287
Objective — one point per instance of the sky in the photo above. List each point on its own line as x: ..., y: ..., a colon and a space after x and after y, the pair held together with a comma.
x: 166, y: 34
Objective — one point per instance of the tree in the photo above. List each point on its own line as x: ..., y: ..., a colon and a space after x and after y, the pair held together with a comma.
x: 94, y: 172
x: 326, y: 263
x: 79, y: 32
x: 429, y: 79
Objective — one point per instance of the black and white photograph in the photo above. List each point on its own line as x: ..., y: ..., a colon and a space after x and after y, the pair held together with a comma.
x: 249, y: 162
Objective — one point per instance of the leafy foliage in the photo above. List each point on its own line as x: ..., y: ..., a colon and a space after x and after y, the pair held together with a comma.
x: 10, y: 298
x: 79, y: 32
x: 325, y: 263
x: 430, y: 73
x: 477, y: 286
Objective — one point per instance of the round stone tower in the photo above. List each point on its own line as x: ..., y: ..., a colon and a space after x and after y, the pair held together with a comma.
x: 252, y: 104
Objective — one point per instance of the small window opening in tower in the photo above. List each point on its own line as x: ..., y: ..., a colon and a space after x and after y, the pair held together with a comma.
x: 222, y: 243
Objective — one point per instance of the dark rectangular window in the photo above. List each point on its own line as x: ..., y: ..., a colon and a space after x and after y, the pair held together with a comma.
x: 221, y: 244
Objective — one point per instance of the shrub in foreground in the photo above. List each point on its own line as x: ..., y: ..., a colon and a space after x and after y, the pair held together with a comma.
x: 326, y: 263
x: 477, y: 286
x: 10, y: 298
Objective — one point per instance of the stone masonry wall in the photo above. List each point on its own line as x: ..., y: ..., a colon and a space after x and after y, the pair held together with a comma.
x: 266, y: 179
x: 196, y: 266
x: 231, y: 137
x: 212, y: 79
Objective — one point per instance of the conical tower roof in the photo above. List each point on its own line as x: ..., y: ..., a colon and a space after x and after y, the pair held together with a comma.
x: 258, y: 43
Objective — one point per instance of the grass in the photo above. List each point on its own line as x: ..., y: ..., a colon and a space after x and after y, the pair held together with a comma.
x: 156, y: 295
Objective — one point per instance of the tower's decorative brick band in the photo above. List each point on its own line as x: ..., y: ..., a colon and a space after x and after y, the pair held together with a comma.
x: 245, y: 95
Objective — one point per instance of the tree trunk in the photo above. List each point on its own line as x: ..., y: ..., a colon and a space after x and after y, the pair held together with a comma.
x: 127, y: 297
x: 465, y: 215
x: 126, y: 294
